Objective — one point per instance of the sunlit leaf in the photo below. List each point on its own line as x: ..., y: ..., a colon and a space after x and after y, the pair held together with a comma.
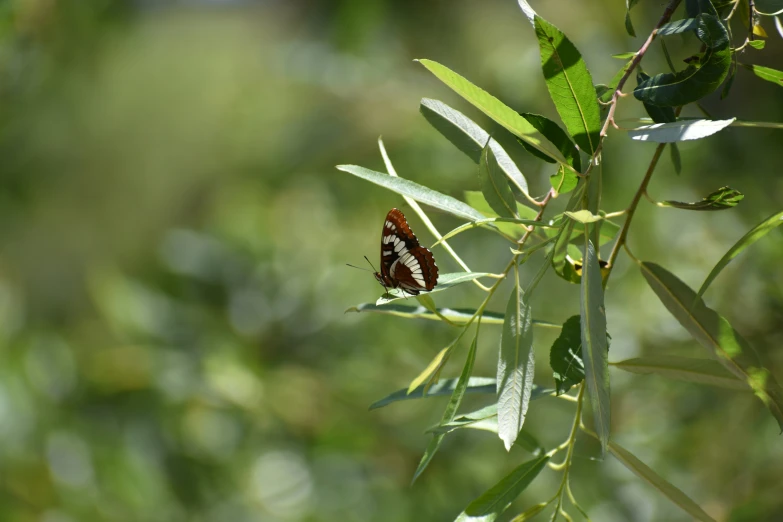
x: 451, y: 408
x: 753, y: 235
x: 437, y: 362
x: 496, y: 500
x: 494, y: 185
x: 483, y: 385
x: 681, y: 130
x: 765, y: 73
x: 494, y: 108
x: 413, y: 190
x: 757, y: 44
x: 641, y: 470
x: 594, y: 344
x: 721, y: 199
x: 565, y: 356
x: 678, y: 26
x: 516, y: 367
x: 445, y: 281
x: 583, y: 216
x: 701, y: 371
x: 570, y: 85
x: 716, y: 334
x: 564, y: 181
x: 468, y: 137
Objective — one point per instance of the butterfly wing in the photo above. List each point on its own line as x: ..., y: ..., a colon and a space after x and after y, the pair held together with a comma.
x: 403, y: 261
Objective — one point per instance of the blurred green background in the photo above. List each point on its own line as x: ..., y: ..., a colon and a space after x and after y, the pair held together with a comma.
x: 173, y: 343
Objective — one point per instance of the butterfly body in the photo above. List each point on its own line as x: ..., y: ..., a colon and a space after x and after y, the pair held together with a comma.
x: 404, y: 263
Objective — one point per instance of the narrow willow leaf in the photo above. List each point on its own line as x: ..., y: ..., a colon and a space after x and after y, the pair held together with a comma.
x: 570, y: 85
x: 496, y: 500
x: 701, y: 371
x: 476, y: 200
x: 437, y: 362
x: 721, y: 199
x: 628, y: 24
x: 606, y: 96
x: 765, y: 73
x: 658, y: 114
x: 530, y: 513
x: 674, y: 151
x: 563, y: 181
x: 717, y: 335
x: 494, y: 186
x: 468, y: 137
x: 753, y: 235
x: 769, y: 7
x: 583, y: 216
x: 562, y: 267
x: 516, y: 367
x: 565, y: 356
x: 494, y: 108
x: 690, y: 84
x: 445, y: 281
x: 678, y: 26
x: 455, y: 315
x: 641, y: 470
x: 413, y: 190
x: 557, y: 136
x: 624, y: 56
x: 466, y: 419
x: 594, y: 344
x: 682, y: 130
x: 451, y: 408
x: 483, y: 385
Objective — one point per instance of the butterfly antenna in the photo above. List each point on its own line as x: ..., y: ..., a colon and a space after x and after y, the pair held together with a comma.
x: 373, y: 268
x: 360, y: 268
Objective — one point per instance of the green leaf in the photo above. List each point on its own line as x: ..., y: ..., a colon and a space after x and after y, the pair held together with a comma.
x: 607, y: 231
x: 606, y: 96
x: 769, y: 7
x: 451, y: 408
x: 565, y: 356
x: 721, y: 199
x: 583, y: 216
x: 594, y: 344
x: 628, y: 24
x: 560, y: 249
x: 700, y: 371
x: 624, y: 56
x: 476, y: 200
x: 516, y: 367
x: 570, y: 85
x: 753, y: 235
x: 496, y: 500
x: 455, y: 315
x: 689, y: 85
x: 494, y: 186
x: 678, y: 26
x: 415, y: 191
x: 564, y: 181
x: 682, y: 130
x: 483, y: 385
x: 494, y: 108
x: 557, y: 136
x: 658, y: 114
x: 466, y: 419
x: 716, y: 334
x: 641, y: 470
x: 445, y: 281
x: 757, y: 44
x: 765, y: 73
x: 494, y: 221
x: 674, y: 151
x: 712, y: 32
x: 468, y: 137
x: 435, y: 365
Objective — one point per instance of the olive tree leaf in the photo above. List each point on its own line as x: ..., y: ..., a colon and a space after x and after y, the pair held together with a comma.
x: 717, y: 335
x: 753, y: 235
x: 594, y: 343
x: 721, y: 199
x: 570, y: 85
x: 468, y: 137
x: 516, y: 367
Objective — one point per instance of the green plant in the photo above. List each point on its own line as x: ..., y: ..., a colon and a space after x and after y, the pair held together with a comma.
x: 570, y: 241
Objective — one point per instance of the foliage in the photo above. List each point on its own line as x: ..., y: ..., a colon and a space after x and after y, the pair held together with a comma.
x: 570, y: 246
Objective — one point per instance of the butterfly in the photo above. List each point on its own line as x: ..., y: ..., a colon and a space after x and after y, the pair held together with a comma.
x: 404, y: 263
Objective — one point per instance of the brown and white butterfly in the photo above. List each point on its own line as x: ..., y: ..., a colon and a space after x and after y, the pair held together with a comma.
x: 404, y: 263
